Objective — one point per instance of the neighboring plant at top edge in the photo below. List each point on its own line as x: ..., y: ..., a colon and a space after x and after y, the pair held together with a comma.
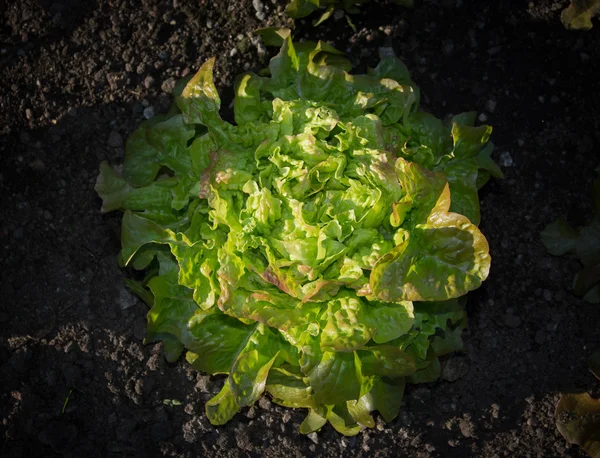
x: 320, y: 248
x: 578, y: 15
x: 297, y: 9
x: 561, y: 238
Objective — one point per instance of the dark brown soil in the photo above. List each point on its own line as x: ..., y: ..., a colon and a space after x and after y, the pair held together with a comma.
x: 76, y: 77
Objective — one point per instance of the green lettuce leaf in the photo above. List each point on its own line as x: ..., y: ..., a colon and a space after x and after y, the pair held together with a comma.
x: 584, y: 243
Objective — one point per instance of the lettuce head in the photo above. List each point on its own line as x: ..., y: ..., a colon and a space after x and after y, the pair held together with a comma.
x: 318, y: 249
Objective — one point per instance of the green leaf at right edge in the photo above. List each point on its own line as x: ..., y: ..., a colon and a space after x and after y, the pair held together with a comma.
x: 578, y: 420
x: 560, y: 238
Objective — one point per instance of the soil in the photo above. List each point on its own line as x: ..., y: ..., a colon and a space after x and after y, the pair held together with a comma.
x: 77, y: 77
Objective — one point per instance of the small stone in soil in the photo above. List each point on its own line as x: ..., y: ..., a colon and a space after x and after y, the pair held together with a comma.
x: 264, y: 403
x: 126, y: 299
x: 455, y: 368
x: 313, y: 437
x: 505, y: 159
x: 512, y: 321
x: 148, y: 112
x: 115, y: 140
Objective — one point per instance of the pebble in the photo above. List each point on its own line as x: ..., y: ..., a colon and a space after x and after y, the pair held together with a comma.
x: 264, y: 403
x: 386, y: 51
x: 466, y: 427
x: 126, y: 299
x: 38, y: 165
x: 512, y: 321
x: 313, y: 437
x: 148, y: 112
x: 148, y: 82
x: 547, y: 295
x: 506, y: 159
x: 482, y: 117
x: 160, y: 431
x: 495, y: 50
x: 490, y: 105
x: 168, y: 85
x: 115, y: 140
x: 540, y: 337
x: 261, y: 49
x: 258, y: 5
x: 454, y: 369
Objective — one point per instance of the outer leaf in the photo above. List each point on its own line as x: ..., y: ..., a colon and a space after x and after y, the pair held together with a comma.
x: 336, y: 378
x: 387, y: 397
x: 250, y: 370
x: 578, y: 420
x: 343, y: 422
x: 389, y: 320
x: 222, y: 407
x: 217, y: 339
x: 141, y: 165
x: 386, y: 360
x: 300, y: 8
x: 443, y: 258
x: 468, y: 140
x: 587, y: 245
x: 273, y: 36
x: 428, y: 374
x: 200, y: 101
x: 289, y: 389
x: 594, y: 364
x: 359, y: 411
x: 312, y: 422
x: 138, y: 231
x: 247, y: 105
x: 173, y: 308
x: 560, y: 238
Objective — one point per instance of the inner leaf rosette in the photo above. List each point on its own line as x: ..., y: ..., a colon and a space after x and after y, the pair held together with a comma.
x: 312, y: 250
